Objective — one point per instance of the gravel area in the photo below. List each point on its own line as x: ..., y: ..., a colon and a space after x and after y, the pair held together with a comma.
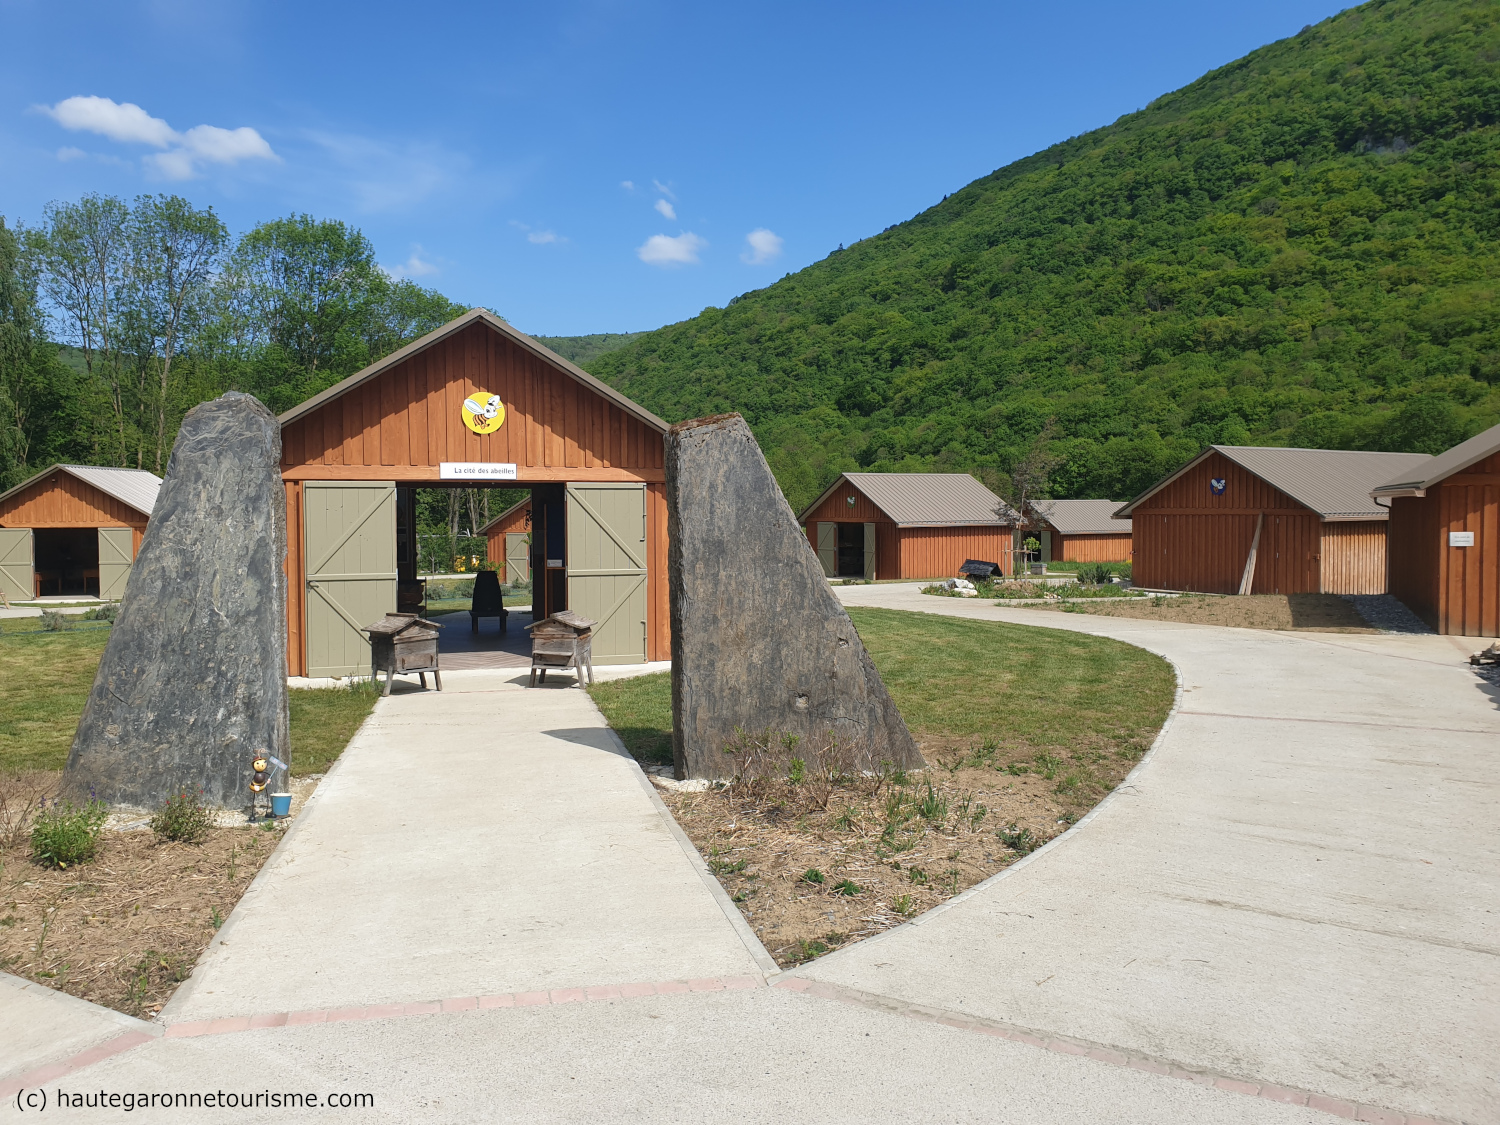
x: 1387, y: 614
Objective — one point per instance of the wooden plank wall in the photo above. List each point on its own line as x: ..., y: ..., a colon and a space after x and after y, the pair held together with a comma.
x: 658, y: 606
x: 1414, y: 548
x: 1354, y: 557
x: 406, y: 421
x: 1188, y: 538
x: 1469, y: 577
x: 519, y: 521
x: 1287, y: 559
x: 1093, y: 548
x: 836, y: 509
x: 938, y: 552
x: 296, y: 585
x: 62, y: 500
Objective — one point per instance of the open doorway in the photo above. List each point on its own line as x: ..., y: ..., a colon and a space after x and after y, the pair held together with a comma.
x: 851, y: 548
x: 67, y: 561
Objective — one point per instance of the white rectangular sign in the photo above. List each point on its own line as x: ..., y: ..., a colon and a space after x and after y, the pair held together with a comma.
x: 475, y: 470
x: 1460, y: 539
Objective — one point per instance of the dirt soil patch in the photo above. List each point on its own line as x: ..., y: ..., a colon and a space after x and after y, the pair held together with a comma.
x: 125, y: 929
x: 1313, y: 613
x: 814, y: 866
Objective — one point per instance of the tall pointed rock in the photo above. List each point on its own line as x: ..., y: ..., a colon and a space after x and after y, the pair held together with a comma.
x: 759, y: 642
x: 193, y: 680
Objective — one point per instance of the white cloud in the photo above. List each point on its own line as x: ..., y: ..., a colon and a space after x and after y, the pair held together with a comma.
x: 535, y: 236
x: 762, y: 246
x: 666, y: 209
x: 68, y: 152
x: 664, y: 189
x: 627, y: 185
x: 128, y: 123
x: 417, y: 265
x: 663, y: 250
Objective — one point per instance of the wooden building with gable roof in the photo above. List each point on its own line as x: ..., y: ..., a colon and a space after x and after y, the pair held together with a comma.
x: 475, y: 402
x: 508, y: 541
x: 1445, y: 537
x: 1260, y: 520
x: 74, y: 530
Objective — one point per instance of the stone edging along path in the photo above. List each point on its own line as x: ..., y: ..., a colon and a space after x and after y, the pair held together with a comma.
x: 1101, y: 1053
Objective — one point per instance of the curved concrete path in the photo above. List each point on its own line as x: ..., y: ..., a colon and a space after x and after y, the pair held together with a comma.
x: 1300, y: 886
x: 1294, y: 898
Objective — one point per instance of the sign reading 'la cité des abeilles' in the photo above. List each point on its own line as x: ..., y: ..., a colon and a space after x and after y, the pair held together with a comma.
x: 483, y: 412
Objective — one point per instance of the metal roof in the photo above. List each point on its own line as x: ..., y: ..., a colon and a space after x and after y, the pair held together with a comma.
x: 1083, y: 517
x: 923, y: 499
x: 1335, y: 483
x: 1417, y: 479
x: 437, y: 335
x: 135, y: 488
x: 502, y: 515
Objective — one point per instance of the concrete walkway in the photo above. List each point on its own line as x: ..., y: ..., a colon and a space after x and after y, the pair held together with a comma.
x: 1300, y: 886
x: 483, y: 915
x: 481, y: 840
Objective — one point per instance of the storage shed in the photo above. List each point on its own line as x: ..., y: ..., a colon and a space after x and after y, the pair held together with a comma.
x: 1257, y: 520
x: 1445, y: 537
x: 906, y: 525
x: 73, y: 531
x: 1083, y: 531
x: 473, y: 403
x: 509, y: 541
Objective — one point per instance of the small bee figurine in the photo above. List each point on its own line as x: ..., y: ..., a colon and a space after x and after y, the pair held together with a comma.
x: 261, y: 775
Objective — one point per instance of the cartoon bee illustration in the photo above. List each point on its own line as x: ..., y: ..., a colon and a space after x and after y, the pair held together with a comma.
x: 483, y: 412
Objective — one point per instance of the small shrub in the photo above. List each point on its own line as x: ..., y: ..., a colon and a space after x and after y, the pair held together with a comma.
x: 65, y: 834
x: 1018, y: 839
x: 1095, y: 574
x: 183, y: 818
x: 797, y: 772
x: 933, y: 807
x: 102, y: 613
x: 814, y: 876
x: 917, y: 875
x: 54, y: 622
x: 903, y: 905
x: 846, y: 887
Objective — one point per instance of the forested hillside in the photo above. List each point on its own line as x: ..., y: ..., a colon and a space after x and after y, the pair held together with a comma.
x: 581, y: 349
x: 1298, y: 248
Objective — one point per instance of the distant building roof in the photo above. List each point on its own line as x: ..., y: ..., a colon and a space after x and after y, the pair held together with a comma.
x: 923, y: 499
x: 135, y: 488
x: 1083, y: 517
x: 1416, y: 479
x: 508, y: 511
x: 1335, y: 483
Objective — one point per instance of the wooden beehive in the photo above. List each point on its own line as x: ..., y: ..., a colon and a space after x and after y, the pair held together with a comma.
x: 565, y: 639
x: 403, y: 644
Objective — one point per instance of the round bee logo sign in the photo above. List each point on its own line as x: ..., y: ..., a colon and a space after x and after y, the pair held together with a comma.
x: 483, y: 412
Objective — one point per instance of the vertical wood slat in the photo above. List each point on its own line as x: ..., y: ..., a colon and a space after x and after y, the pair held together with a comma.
x: 62, y: 500
x: 658, y: 618
x: 296, y: 582
x: 1092, y: 548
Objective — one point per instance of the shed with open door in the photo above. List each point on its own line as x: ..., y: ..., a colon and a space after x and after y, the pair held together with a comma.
x: 1262, y: 520
x: 1445, y: 537
x: 73, y: 531
x: 508, y: 541
x: 906, y: 525
x: 474, y: 403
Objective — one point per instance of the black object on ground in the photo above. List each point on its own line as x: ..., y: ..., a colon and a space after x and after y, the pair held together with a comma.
x: 974, y: 568
x: 488, y: 601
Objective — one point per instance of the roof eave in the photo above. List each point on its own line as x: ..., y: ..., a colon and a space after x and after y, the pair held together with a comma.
x: 503, y: 515
x: 29, y: 481
x: 458, y: 324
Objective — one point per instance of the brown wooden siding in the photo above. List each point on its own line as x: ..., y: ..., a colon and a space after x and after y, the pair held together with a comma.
x: 1469, y: 580
x: 1092, y: 548
x: 402, y: 424
x: 519, y: 520
x: 1414, y: 549
x: 62, y: 500
x: 938, y: 552
x: 658, y: 608
x: 1188, y: 538
x: 1354, y: 557
x: 836, y: 509
x: 296, y: 586
x: 887, y: 544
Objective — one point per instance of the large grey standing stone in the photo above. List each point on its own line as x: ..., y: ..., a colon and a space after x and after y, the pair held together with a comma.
x: 759, y: 642
x: 193, y: 680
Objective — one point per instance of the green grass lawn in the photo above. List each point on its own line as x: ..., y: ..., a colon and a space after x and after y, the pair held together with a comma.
x: 45, y: 680
x: 956, y: 682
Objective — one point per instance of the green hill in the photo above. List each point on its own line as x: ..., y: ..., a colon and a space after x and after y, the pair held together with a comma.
x: 1298, y: 248
x: 581, y: 349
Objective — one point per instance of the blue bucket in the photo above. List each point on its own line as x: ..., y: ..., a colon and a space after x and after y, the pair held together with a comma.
x: 281, y: 804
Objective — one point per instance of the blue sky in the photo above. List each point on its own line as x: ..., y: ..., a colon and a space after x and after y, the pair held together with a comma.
x: 581, y: 166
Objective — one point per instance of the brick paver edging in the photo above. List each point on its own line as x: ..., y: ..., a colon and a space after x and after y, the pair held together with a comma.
x: 53, y: 1071
x: 1064, y: 1045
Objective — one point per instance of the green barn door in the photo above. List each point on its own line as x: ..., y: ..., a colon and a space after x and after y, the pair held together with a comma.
x: 828, y: 548
x: 517, y: 556
x: 607, y: 567
x: 350, y: 548
x: 17, y: 579
x: 115, y: 546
